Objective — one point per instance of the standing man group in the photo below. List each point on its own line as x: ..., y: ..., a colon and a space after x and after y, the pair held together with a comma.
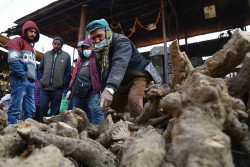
x: 54, y: 75
x: 21, y: 58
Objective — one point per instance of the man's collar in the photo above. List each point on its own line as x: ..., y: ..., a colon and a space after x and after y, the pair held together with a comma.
x: 57, y: 52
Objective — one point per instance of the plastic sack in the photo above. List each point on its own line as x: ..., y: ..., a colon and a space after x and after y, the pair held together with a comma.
x: 64, y: 103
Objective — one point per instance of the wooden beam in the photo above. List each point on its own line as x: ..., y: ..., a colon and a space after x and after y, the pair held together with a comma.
x: 176, y: 17
x: 201, y: 4
x: 61, y: 11
x: 55, y: 22
x: 4, y: 41
x: 165, y: 44
x: 131, y: 10
x: 38, y: 12
x: 74, y: 20
x: 70, y: 30
x: 82, y: 28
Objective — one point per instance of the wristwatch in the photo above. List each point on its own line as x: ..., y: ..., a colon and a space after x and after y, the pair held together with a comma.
x: 110, y: 90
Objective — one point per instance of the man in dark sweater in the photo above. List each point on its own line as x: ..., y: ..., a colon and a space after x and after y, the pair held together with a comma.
x: 122, y: 69
x: 54, y: 75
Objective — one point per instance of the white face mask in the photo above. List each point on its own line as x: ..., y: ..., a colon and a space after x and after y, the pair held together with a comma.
x: 87, y: 53
x: 101, y: 44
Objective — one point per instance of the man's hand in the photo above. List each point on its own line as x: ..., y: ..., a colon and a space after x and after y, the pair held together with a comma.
x: 68, y: 96
x: 105, y: 99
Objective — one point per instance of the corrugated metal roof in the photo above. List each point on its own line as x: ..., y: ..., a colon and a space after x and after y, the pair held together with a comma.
x: 62, y: 18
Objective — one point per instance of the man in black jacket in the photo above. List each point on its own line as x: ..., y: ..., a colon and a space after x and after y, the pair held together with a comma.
x: 121, y: 68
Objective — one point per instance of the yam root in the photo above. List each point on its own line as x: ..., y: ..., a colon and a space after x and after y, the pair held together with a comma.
x: 49, y: 156
x: 151, y: 109
x: 118, y: 131
x: 240, y: 84
x: 67, y: 117
x: 83, y: 134
x: 86, y: 151
x: 202, y: 109
x: 248, y: 103
x: 40, y: 126
x: 11, y: 128
x: 52, y: 128
x: 106, y: 124
x: 117, y: 148
x: 77, y: 119
x: 65, y: 130
x: 232, y: 54
x: 116, y: 116
x: 11, y: 145
x: 3, y: 120
x: 181, y: 64
x: 167, y: 133
x: 145, y: 150
x: 84, y: 124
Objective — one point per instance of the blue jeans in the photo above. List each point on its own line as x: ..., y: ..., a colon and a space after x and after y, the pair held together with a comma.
x: 22, y: 104
x: 46, y: 97
x: 89, y: 104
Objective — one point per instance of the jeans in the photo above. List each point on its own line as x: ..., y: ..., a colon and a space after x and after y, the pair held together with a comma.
x: 46, y: 97
x: 89, y: 104
x: 22, y: 104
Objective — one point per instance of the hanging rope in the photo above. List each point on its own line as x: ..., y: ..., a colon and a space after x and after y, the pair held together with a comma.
x: 135, y: 23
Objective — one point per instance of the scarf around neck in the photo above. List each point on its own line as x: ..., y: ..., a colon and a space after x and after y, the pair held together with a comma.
x: 102, y: 54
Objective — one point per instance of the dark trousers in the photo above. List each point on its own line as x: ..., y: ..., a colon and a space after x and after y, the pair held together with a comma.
x: 46, y: 97
x: 37, y: 113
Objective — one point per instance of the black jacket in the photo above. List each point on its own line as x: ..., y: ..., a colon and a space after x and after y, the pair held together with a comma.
x: 124, y: 59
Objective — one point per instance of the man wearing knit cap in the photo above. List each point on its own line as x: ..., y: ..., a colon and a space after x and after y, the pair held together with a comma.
x: 85, y: 83
x: 54, y: 75
x: 122, y: 69
x: 22, y: 61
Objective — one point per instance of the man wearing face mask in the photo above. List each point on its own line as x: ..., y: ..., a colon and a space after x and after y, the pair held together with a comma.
x: 122, y: 69
x: 54, y: 74
x: 85, y: 84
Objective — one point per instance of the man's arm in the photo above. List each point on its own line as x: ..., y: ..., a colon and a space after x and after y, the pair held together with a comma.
x: 67, y: 73
x: 17, y: 67
x: 40, y: 69
x: 120, y: 59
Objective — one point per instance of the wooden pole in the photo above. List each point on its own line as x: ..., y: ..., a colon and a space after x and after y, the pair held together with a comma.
x: 4, y: 41
x: 166, y: 79
x: 82, y: 28
x: 186, y: 43
x: 176, y: 17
